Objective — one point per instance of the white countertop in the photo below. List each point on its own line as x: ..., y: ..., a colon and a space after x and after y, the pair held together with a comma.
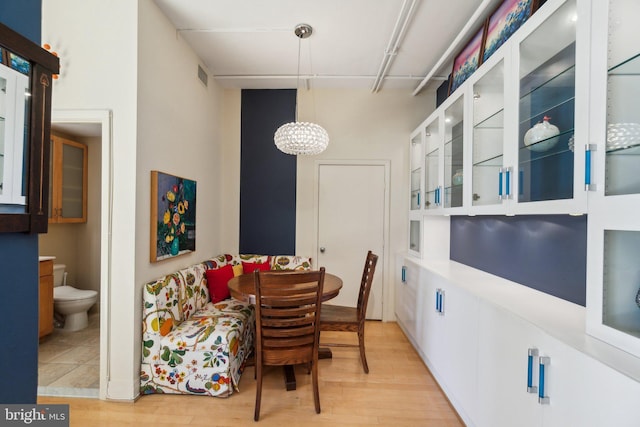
x: 46, y: 258
x: 560, y: 319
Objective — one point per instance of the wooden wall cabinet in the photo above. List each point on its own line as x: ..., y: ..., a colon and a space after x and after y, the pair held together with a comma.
x: 68, y: 182
x: 45, y: 312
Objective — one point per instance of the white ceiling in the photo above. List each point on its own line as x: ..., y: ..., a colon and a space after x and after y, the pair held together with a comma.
x: 250, y: 44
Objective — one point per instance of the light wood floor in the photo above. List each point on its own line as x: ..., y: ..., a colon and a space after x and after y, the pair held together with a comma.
x: 398, y: 391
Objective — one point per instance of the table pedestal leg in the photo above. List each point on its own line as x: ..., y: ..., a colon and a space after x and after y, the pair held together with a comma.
x: 289, y: 377
x: 324, y: 353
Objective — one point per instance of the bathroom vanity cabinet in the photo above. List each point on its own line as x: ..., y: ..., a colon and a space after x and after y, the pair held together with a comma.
x: 68, y: 181
x: 45, y: 311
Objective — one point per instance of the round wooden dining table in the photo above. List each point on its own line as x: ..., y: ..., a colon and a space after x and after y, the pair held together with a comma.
x: 243, y: 288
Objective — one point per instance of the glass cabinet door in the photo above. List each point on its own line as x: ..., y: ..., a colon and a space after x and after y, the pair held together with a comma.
x: 620, y: 281
x: 488, y: 139
x: 414, y: 236
x: 453, y: 154
x: 623, y: 100
x: 546, y: 109
x: 432, y: 165
x: 73, y: 164
x: 68, y: 181
x: 415, y: 155
x: 613, y: 271
x: 13, y: 107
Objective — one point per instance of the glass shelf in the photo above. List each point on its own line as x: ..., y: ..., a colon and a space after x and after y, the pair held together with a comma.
x: 457, y: 139
x: 494, y: 121
x: 535, y: 156
x: 630, y: 66
x: 564, y: 78
x: 547, y: 96
x: 491, y: 162
x: 626, y: 151
x: 544, y: 110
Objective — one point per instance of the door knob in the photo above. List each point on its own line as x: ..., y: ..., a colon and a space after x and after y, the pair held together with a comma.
x: 321, y: 250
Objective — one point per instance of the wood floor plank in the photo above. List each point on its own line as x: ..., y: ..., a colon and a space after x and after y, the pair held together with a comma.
x: 398, y: 391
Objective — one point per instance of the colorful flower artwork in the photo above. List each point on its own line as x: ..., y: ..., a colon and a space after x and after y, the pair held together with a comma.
x: 173, y: 216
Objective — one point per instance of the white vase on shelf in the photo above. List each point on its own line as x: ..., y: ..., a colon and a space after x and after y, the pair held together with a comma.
x: 542, y: 136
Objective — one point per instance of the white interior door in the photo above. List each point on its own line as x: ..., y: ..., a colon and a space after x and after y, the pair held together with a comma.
x: 351, y: 221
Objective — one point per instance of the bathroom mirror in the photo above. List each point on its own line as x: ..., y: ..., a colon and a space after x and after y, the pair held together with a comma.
x: 25, y: 122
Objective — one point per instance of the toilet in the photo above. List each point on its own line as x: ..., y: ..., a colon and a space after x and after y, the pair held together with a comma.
x: 71, y: 302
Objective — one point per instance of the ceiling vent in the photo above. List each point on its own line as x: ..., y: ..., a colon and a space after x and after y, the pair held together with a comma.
x: 202, y: 75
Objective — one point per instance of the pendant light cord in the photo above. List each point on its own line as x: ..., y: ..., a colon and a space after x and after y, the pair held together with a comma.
x: 298, y: 76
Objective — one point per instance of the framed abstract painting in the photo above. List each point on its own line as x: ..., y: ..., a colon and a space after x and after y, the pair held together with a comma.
x: 504, y: 21
x: 468, y: 60
x: 173, y: 216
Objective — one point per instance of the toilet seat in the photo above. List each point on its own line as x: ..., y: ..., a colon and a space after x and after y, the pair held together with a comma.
x: 69, y: 293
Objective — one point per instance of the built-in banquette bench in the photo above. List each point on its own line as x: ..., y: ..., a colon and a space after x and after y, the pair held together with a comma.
x: 195, y: 338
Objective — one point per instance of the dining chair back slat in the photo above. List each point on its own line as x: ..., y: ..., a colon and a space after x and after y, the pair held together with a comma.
x: 288, y: 308
x: 352, y: 319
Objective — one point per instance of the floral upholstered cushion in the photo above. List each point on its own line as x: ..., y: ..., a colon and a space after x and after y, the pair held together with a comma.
x: 205, y: 354
x: 191, y: 345
x: 290, y: 262
x: 193, y: 296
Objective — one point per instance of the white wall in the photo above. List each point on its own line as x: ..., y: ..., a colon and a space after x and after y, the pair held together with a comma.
x: 97, y: 45
x: 125, y: 57
x: 178, y: 133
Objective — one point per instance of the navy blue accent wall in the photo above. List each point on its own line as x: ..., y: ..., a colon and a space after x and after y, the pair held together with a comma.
x: 267, y: 176
x: 23, y: 16
x: 19, y: 264
x: 547, y: 252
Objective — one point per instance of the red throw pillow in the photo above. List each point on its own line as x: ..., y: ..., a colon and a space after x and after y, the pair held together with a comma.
x: 250, y: 267
x: 217, y: 283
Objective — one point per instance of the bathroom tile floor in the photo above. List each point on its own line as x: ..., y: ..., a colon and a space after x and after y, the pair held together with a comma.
x: 69, y: 362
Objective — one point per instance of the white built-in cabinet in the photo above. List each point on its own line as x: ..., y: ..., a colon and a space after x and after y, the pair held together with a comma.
x: 408, y: 311
x: 576, y: 65
x: 579, y: 390
x: 613, y: 253
x: 447, y: 336
x: 485, y: 339
x: 477, y: 161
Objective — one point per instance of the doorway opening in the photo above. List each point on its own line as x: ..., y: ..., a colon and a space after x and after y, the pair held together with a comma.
x: 75, y: 363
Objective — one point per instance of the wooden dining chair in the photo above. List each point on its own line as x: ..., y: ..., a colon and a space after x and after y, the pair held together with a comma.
x: 352, y: 319
x: 287, y: 323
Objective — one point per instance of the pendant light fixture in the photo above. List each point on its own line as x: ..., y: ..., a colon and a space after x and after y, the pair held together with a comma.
x: 301, y: 138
